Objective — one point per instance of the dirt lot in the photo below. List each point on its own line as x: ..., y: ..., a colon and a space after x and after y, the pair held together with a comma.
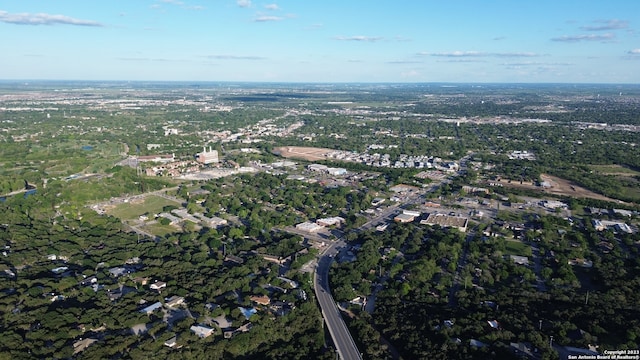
x: 304, y: 153
x: 559, y: 186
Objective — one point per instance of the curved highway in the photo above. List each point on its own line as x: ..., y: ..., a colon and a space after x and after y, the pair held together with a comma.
x: 347, y: 349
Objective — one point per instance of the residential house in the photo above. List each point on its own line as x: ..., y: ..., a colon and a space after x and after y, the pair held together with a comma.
x: 261, y: 300
x: 158, y: 285
x: 151, y: 308
x: 174, y: 301
x: 202, y: 331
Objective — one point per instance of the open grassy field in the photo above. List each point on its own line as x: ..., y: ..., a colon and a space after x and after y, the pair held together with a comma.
x: 159, y: 229
x: 613, y: 170
x: 517, y: 248
x: 149, y: 204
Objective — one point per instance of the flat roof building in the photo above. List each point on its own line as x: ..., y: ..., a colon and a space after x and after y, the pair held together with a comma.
x: 404, y: 218
x: 308, y: 227
x: 444, y: 220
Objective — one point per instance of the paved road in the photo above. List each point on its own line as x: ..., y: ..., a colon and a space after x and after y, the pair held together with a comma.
x: 342, y: 339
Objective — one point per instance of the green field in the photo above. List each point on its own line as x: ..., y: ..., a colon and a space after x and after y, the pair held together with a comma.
x: 517, y: 248
x: 160, y: 230
x: 613, y: 170
x: 152, y: 204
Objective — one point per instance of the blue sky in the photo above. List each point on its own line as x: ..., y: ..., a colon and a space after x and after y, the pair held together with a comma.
x: 569, y: 41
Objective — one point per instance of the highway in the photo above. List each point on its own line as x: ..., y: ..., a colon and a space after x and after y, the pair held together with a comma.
x: 346, y: 347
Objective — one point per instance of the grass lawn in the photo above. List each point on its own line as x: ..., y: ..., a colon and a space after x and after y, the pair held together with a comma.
x: 131, y: 210
x: 517, y: 248
x: 160, y: 230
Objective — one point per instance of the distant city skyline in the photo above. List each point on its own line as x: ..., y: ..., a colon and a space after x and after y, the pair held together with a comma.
x: 501, y: 41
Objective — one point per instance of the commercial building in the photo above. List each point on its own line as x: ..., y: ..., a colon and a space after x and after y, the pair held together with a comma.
x: 446, y: 221
x: 309, y: 227
x: 404, y: 218
x: 336, y: 220
x: 207, y: 157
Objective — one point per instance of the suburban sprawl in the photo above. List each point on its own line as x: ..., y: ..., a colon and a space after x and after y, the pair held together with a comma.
x: 318, y: 221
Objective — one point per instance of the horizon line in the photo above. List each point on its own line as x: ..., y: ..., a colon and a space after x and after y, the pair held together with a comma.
x: 318, y: 82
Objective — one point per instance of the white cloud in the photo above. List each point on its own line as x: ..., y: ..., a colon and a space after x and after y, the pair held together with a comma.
x: 271, y: 7
x: 244, y: 3
x: 634, y: 52
x: 534, y: 63
x: 401, y: 62
x: 174, y: 2
x: 589, y: 37
x: 44, y: 19
x: 606, y: 25
x: 359, y: 38
x: 234, y: 57
x: 515, y: 54
x: 266, y: 18
x: 463, y: 54
x: 456, y: 54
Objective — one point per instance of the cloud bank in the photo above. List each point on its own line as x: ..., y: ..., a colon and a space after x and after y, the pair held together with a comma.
x: 244, y: 3
x: 359, y: 38
x: 463, y: 54
x: 44, y: 19
x: 585, y: 37
x: 235, y: 57
x: 607, y: 25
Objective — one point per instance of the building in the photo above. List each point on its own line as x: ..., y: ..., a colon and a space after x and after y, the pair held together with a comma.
x: 444, y: 220
x: 207, y: 157
x: 377, y: 201
x: 404, y: 218
x: 212, y: 222
x: 184, y: 214
x: 553, y: 204
x: 336, y: 171
x: 261, y: 300
x: 309, y: 227
x: 402, y: 188
x: 336, y: 220
x: 317, y: 167
x: 171, y: 342
x: 202, y: 331
x: 158, y: 285
x: 174, y: 301
x: 173, y: 220
x: 412, y: 213
x: 151, y: 308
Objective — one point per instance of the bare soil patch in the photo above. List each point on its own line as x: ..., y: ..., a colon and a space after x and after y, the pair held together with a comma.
x: 301, y: 152
x: 559, y: 186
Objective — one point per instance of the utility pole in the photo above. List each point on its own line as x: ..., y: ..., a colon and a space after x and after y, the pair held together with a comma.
x: 540, y: 327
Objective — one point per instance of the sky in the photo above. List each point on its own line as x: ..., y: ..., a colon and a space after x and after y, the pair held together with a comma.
x: 468, y: 41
